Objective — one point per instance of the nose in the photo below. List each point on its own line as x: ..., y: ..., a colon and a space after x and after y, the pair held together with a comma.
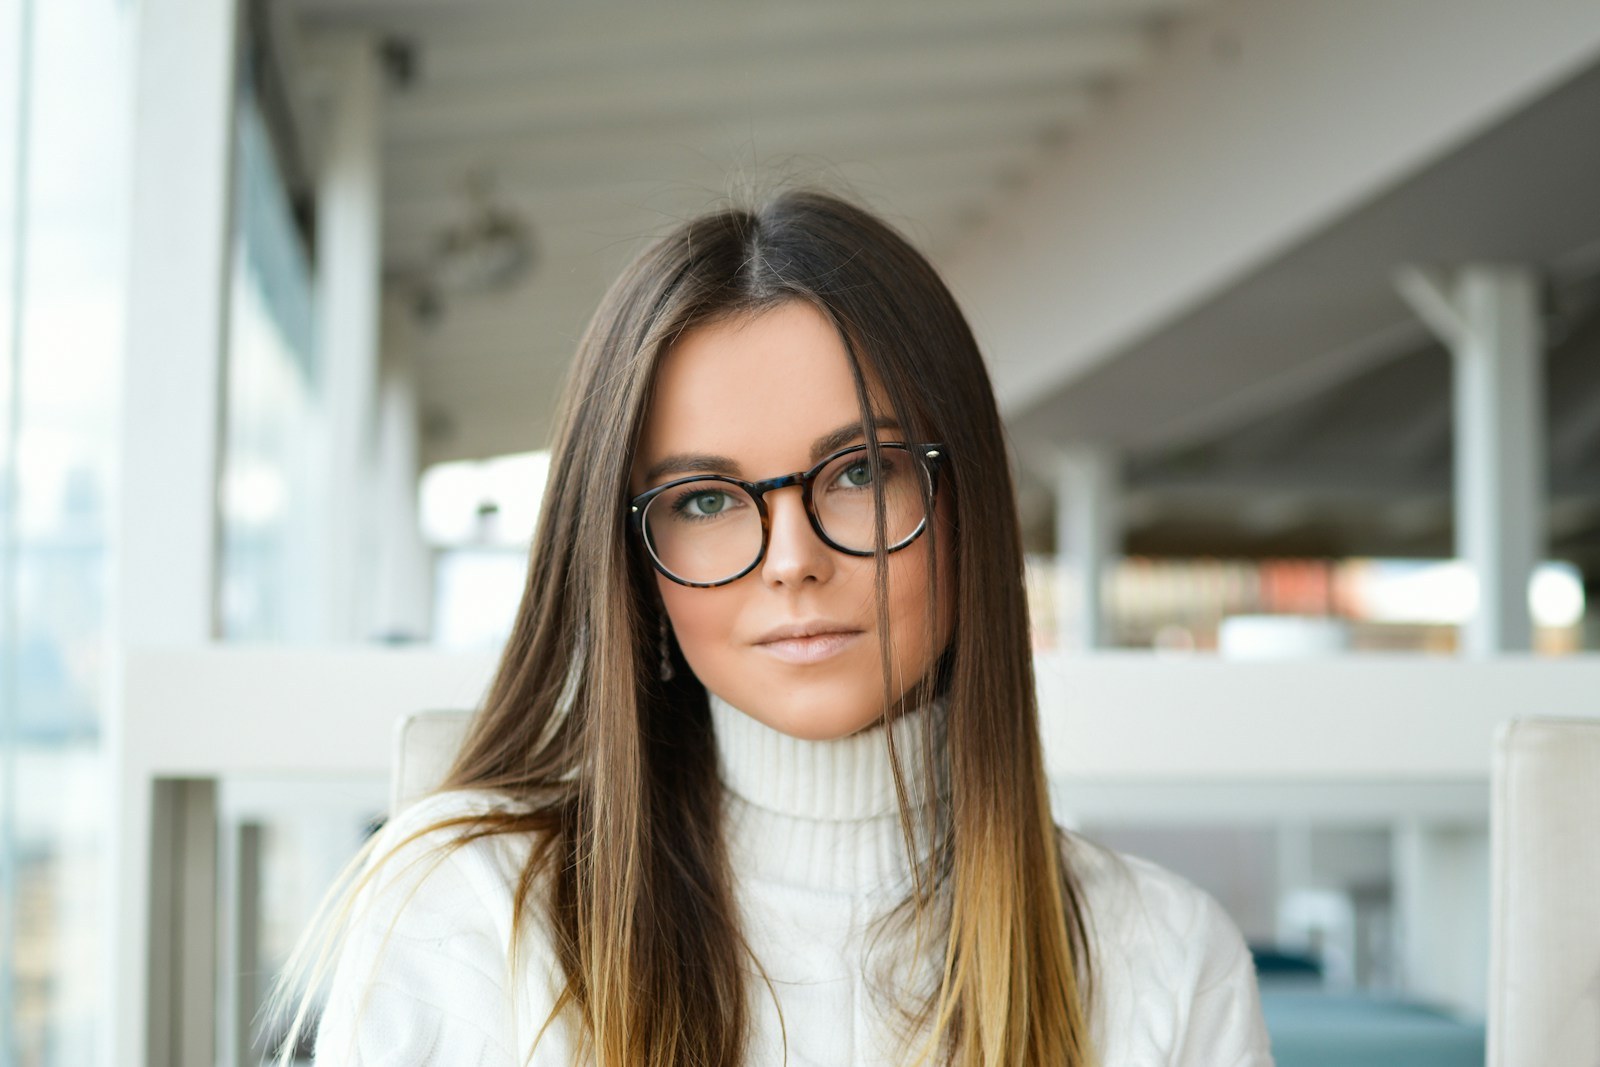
x: 794, y: 551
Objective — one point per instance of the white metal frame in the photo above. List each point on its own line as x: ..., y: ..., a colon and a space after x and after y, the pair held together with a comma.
x: 1489, y: 315
x: 1404, y: 739
x: 160, y: 980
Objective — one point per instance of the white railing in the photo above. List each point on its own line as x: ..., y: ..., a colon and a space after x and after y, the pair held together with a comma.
x: 1127, y: 735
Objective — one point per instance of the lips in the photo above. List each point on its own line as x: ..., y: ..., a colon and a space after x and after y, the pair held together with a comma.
x: 812, y: 628
x: 808, y: 642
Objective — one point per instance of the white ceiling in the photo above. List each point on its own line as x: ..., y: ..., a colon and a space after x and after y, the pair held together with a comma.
x: 604, y: 123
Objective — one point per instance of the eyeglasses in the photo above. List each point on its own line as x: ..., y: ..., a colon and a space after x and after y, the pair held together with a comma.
x: 708, y: 529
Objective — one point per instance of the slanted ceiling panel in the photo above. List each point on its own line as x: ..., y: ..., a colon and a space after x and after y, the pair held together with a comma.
x: 601, y: 124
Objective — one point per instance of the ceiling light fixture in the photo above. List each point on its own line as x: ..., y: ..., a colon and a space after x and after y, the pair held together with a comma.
x: 492, y: 249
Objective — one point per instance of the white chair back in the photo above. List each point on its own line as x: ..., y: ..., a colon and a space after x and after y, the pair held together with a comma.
x: 424, y: 744
x: 1544, y: 986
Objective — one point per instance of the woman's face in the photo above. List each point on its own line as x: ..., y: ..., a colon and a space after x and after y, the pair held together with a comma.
x: 762, y: 391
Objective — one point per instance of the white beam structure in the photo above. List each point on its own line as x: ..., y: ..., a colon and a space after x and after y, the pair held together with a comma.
x: 1129, y: 719
x: 160, y: 979
x: 349, y: 279
x: 1442, y: 903
x: 527, y: 41
x: 1358, y: 741
x: 1088, y: 540
x: 569, y: 154
x: 1489, y: 316
x: 402, y: 601
x: 765, y: 80
x: 1162, y: 203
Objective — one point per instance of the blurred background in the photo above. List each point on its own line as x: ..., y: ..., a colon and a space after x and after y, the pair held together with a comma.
x: 1293, y: 309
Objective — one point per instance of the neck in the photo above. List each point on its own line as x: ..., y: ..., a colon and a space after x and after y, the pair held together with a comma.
x: 822, y: 813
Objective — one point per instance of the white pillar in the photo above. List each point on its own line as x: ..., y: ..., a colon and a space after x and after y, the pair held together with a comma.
x: 403, y: 596
x: 349, y: 275
x: 1088, y: 538
x: 1442, y: 908
x: 1489, y: 316
x: 165, y: 551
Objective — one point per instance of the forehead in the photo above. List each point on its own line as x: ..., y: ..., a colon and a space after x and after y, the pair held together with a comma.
x: 759, y: 388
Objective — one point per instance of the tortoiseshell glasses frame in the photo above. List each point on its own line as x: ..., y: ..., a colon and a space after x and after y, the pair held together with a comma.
x: 925, y: 456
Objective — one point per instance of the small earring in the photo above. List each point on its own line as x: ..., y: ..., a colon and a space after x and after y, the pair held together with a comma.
x: 666, y: 656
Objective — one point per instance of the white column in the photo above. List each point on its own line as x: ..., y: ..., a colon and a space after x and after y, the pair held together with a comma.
x: 1489, y: 316
x: 1500, y: 449
x: 1442, y: 907
x: 402, y: 600
x: 1088, y: 538
x: 349, y: 275
x: 165, y: 550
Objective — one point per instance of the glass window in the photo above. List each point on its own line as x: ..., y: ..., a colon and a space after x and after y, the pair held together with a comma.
x: 64, y: 119
x: 479, y: 518
x: 267, y: 510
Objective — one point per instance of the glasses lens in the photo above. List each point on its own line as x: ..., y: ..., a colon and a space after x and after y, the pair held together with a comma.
x: 843, y: 497
x: 703, y: 531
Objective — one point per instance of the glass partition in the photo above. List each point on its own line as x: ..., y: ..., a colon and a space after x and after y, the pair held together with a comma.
x: 64, y: 121
x: 268, y: 514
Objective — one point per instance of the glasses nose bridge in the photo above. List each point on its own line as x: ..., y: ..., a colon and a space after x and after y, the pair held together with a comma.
x: 798, y: 480
x: 761, y: 489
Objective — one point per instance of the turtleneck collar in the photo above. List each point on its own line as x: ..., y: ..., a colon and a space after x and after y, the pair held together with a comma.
x: 819, y: 815
x: 840, y: 779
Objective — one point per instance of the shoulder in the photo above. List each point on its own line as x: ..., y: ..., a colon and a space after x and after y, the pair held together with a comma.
x: 1173, y: 974
x: 431, y: 844
x: 426, y: 957
x: 443, y: 823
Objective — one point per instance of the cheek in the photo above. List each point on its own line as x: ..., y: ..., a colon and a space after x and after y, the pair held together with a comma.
x: 702, y: 619
x: 911, y: 604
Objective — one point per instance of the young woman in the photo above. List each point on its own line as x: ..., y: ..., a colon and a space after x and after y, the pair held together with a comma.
x: 759, y: 778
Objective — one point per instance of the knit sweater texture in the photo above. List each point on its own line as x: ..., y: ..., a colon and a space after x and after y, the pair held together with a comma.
x: 818, y: 857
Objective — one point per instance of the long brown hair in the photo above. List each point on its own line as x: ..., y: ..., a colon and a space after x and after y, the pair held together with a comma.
x: 618, y: 770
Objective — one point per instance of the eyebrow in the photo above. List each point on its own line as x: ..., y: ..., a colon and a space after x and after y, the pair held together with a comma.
x: 709, y: 463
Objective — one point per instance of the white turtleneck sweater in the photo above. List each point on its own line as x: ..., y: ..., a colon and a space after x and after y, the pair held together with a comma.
x: 817, y: 853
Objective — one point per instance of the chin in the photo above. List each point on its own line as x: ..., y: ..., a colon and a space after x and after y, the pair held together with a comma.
x: 822, y: 719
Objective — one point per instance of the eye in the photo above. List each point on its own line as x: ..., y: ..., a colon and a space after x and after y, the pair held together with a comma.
x: 702, y: 504
x: 856, y: 475
x: 859, y: 473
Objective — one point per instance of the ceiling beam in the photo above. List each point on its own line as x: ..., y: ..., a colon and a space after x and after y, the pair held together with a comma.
x: 954, y: 168
x: 466, y: 21
x: 653, y: 108
x: 868, y: 126
x: 1011, y: 138
x: 729, y: 53
x: 1162, y: 208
